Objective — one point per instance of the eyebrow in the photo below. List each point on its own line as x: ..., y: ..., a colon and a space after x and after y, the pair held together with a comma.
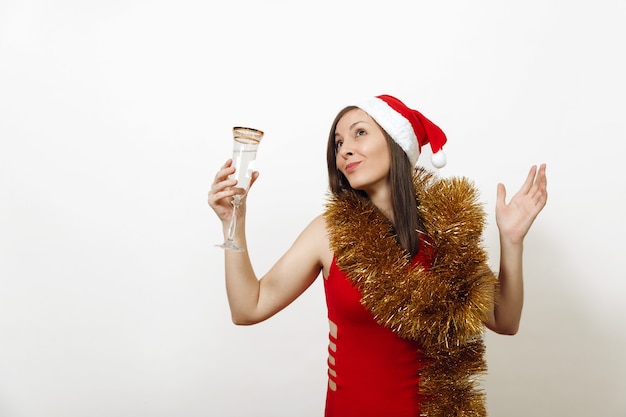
x: 353, y: 125
x: 356, y: 123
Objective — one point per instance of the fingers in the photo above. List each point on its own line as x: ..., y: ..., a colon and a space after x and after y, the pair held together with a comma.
x: 222, y: 186
x: 542, y: 179
x: 255, y: 175
x: 530, y: 180
x: 224, y: 171
x: 540, y: 194
x: 536, y: 183
x: 534, y: 187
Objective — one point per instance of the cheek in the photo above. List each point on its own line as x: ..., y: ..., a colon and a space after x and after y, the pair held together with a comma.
x: 383, y: 156
x: 383, y: 166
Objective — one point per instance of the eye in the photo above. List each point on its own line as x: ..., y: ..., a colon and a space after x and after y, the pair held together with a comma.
x: 338, y: 144
x: 361, y: 132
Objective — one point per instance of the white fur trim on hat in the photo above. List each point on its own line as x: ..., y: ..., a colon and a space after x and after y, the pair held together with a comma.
x: 398, y: 127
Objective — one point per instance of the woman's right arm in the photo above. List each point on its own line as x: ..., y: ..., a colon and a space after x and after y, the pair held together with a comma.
x: 251, y: 299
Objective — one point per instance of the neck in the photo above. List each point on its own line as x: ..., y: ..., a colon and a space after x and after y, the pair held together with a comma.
x: 382, y: 200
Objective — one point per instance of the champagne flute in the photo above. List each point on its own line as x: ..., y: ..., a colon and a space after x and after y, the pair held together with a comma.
x: 246, y: 141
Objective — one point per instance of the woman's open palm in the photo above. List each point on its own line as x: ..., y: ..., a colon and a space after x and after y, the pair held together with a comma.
x: 515, y: 218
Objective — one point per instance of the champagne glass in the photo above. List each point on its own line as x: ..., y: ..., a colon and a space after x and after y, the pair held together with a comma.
x: 246, y: 141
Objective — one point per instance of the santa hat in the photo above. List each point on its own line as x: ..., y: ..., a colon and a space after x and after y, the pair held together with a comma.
x: 407, y: 127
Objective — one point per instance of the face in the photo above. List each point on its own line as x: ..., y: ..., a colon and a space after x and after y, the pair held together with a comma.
x: 362, y: 152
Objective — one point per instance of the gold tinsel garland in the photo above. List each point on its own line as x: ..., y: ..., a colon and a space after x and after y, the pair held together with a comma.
x: 442, y: 307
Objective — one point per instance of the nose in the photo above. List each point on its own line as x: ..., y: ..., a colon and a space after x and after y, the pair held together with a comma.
x: 345, y: 150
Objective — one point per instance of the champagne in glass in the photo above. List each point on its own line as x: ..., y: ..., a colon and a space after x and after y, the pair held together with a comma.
x: 245, y: 144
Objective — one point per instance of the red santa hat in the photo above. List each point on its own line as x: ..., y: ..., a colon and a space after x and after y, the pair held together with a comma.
x: 407, y: 127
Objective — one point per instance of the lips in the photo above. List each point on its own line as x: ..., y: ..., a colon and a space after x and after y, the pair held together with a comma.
x: 352, y: 166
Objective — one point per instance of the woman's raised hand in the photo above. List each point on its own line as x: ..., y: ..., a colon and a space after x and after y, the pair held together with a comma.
x: 223, y: 189
x: 515, y: 218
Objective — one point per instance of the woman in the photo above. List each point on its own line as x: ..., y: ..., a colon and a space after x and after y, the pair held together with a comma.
x: 407, y: 284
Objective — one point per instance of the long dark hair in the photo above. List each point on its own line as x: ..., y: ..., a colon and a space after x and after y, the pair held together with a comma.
x: 408, y: 225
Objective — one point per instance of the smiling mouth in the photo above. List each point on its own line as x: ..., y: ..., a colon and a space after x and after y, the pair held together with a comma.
x: 352, y: 166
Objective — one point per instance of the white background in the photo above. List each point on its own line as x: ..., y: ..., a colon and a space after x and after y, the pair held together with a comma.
x: 115, y: 115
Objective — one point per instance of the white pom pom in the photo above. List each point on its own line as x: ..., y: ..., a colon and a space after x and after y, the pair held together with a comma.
x: 438, y: 159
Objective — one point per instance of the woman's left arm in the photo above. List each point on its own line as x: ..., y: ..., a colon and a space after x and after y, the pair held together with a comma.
x: 514, y: 220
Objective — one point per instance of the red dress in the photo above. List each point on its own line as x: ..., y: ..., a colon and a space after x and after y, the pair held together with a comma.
x: 376, y: 373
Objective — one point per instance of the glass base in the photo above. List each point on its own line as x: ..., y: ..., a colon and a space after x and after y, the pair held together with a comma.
x: 230, y: 245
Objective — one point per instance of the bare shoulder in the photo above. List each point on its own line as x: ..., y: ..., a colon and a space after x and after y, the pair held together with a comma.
x: 318, y: 224
x: 316, y: 234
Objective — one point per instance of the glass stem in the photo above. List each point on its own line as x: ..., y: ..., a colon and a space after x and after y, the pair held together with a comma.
x: 233, y: 221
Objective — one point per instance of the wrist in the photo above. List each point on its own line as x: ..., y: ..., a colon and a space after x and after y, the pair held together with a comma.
x: 511, y: 242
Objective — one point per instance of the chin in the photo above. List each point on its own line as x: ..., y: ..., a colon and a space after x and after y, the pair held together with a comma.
x: 356, y: 186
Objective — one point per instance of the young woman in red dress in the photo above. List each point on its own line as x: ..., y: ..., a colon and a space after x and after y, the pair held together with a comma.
x: 408, y: 288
